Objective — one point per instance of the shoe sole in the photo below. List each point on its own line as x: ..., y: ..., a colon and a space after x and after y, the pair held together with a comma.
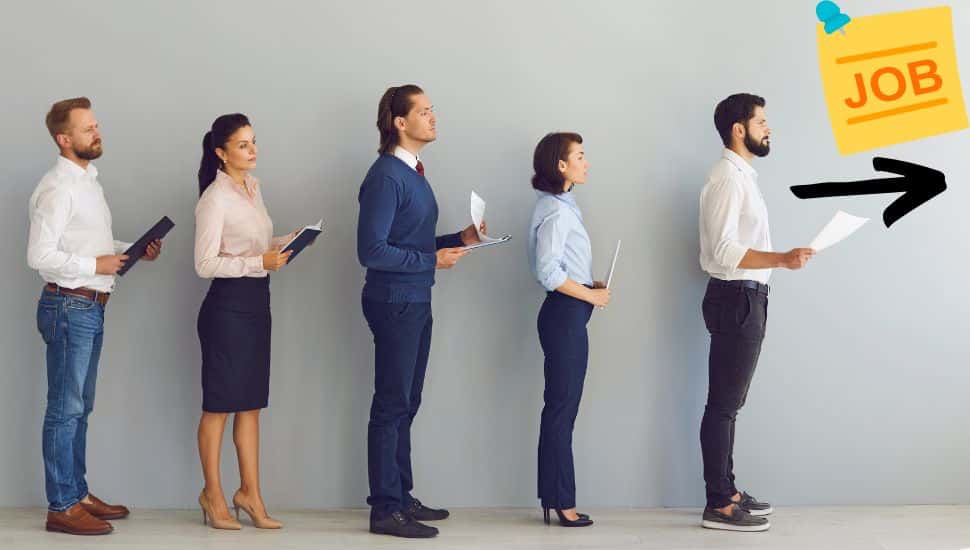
x: 112, y: 516
x: 758, y: 513
x: 58, y: 529
x: 708, y: 524
x: 379, y: 532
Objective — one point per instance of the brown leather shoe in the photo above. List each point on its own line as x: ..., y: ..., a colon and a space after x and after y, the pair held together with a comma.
x: 101, y: 510
x: 77, y: 521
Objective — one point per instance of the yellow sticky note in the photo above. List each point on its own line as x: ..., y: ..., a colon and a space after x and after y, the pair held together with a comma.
x: 891, y: 78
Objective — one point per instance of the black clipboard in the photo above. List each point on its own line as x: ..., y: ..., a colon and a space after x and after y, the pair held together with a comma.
x: 137, y: 250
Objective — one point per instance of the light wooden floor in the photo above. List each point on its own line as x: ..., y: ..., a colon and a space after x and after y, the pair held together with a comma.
x: 858, y: 528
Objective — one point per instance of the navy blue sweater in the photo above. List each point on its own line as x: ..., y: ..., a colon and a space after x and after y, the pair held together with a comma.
x: 396, y: 233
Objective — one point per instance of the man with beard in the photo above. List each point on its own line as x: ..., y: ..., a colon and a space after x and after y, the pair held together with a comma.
x: 736, y: 252
x: 72, y: 247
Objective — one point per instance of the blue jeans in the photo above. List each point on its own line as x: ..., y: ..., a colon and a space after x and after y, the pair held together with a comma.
x: 73, y: 329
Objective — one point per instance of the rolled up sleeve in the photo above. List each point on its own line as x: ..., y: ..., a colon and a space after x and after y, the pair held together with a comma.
x: 721, y: 209
x: 550, y: 249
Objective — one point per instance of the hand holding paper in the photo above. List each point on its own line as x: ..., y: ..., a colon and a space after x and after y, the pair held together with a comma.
x: 838, y: 229
x: 478, y: 221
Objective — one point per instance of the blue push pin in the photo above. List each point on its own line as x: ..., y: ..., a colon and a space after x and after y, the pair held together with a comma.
x: 831, y: 14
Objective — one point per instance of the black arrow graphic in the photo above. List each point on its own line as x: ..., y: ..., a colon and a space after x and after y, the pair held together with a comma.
x: 918, y: 185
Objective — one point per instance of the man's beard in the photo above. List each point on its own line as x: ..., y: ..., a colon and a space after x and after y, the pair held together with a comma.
x: 92, y: 152
x: 758, y: 149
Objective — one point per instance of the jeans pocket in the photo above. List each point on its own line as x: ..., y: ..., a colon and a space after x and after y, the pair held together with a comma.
x: 764, y: 322
x: 47, y: 322
x: 398, y: 311
x: 742, y: 313
x: 712, y: 314
x: 81, y: 304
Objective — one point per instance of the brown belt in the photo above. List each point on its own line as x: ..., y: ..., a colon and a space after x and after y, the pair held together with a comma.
x: 87, y: 293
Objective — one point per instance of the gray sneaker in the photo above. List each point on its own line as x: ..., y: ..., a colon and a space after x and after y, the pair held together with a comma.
x: 739, y: 520
x: 752, y: 506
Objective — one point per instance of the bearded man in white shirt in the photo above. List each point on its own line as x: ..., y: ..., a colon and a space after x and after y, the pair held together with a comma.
x: 736, y: 252
x: 72, y: 247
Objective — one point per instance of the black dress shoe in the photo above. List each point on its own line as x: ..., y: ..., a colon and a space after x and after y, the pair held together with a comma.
x: 401, y: 525
x: 421, y: 512
x: 582, y: 520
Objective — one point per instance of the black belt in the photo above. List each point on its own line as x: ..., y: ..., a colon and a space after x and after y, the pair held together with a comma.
x: 753, y: 285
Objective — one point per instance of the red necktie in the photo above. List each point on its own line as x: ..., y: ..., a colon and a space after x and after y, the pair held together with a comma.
x: 420, y: 168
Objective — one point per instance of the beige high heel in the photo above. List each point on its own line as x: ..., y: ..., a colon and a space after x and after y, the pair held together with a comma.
x: 216, y: 523
x: 264, y: 522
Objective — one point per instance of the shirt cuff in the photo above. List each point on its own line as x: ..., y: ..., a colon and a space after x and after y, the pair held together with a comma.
x: 555, y: 280
x: 732, y: 256
x: 255, y: 264
x: 121, y: 246
x: 88, y: 267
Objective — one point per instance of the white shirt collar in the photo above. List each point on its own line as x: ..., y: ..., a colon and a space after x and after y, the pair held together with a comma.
x: 740, y: 163
x: 74, y: 169
x: 408, y: 157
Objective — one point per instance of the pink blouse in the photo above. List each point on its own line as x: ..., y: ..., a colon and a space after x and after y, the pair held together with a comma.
x: 233, y: 230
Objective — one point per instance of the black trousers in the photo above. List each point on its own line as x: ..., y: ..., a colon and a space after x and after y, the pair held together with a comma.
x: 402, y: 342
x: 562, y: 334
x: 736, y: 317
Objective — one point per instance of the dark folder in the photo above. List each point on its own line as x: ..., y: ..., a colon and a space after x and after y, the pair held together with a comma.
x: 302, y: 239
x: 137, y: 250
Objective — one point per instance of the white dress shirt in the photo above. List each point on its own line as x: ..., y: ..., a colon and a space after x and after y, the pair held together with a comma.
x: 70, y: 226
x: 733, y: 220
x: 408, y: 157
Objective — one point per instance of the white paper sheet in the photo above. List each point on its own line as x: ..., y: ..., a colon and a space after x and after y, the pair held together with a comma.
x: 838, y: 229
x: 478, y: 215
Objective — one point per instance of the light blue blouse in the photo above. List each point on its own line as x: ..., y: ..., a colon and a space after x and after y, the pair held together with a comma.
x: 559, y: 246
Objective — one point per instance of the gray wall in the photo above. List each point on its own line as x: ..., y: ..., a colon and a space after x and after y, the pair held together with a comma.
x: 860, y: 396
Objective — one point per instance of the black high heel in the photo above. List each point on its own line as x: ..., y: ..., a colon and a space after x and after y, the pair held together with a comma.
x: 581, y: 521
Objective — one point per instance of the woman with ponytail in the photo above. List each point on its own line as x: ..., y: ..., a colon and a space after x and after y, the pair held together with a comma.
x: 561, y: 259
x: 235, y: 247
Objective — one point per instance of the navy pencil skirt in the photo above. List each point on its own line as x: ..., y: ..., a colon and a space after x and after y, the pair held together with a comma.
x: 234, y: 328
